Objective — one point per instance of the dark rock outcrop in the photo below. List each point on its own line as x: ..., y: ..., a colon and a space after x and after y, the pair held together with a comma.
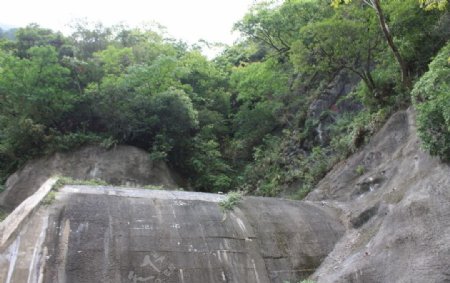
x: 331, y: 103
x: 332, y: 97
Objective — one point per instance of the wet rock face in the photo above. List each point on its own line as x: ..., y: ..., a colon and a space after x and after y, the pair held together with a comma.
x: 331, y: 103
x: 122, y: 165
x: 396, y: 213
x: 105, y: 234
x: 330, y: 98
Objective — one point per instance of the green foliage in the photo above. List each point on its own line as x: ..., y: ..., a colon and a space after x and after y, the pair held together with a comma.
x: 108, y: 143
x: 211, y: 172
x: 89, y: 38
x: 3, y: 214
x: 432, y: 101
x: 419, y: 23
x: 324, y: 46
x: 414, y: 26
x: 243, y: 120
x: 231, y: 201
x: 275, y: 26
x: 259, y: 80
x: 63, y: 181
x: 115, y: 60
x: 69, y: 141
x: 49, y: 198
x: 434, y: 126
x: 131, y: 117
x: 352, y: 131
x: 434, y: 4
x: 35, y: 36
x: 360, y: 170
x: 314, y: 168
x: 35, y: 87
x: 426, y: 4
x: 276, y: 169
x: 252, y: 123
x: 260, y: 87
x: 162, y: 74
x: 153, y: 187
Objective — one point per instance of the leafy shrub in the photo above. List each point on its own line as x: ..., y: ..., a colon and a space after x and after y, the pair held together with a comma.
x: 230, y: 202
x: 433, y: 122
x: 108, y: 143
x: 71, y: 141
x: 280, y: 163
x: 432, y: 100
x: 153, y: 187
x: 354, y: 130
x: 62, y: 181
x: 208, y: 169
x: 360, y: 170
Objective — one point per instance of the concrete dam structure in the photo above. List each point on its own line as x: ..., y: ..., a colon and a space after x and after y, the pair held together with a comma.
x: 112, y: 234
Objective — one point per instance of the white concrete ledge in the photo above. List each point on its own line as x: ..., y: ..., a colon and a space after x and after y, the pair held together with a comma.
x: 141, y: 193
x: 11, y: 224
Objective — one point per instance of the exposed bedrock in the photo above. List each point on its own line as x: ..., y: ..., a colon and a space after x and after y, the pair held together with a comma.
x: 397, y: 212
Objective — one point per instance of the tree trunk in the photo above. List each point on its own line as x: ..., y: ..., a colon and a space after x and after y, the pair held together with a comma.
x: 406, y: 81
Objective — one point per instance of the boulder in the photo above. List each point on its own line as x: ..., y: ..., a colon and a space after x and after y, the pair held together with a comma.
x: 121, y: 165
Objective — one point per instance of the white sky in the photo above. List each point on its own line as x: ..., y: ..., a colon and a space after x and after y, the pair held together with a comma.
x: 189, y: 20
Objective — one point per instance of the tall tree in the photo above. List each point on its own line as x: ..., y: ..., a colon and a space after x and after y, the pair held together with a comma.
x: 34, y: 35
x: 324, y: 46
x: 275, y: 26
x: 376, y: 5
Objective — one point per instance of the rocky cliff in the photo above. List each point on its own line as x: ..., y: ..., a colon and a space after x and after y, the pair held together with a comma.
x: 395, y: 204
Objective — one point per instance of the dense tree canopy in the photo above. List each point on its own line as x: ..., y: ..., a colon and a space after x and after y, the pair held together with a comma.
x: 268, y: 115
